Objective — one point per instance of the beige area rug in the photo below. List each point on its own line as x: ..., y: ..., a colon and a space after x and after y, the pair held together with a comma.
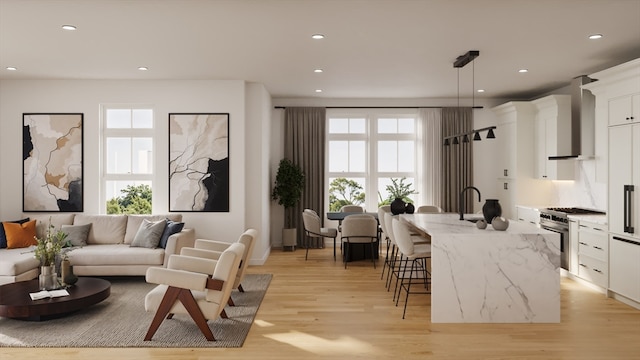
x: 120, y: 321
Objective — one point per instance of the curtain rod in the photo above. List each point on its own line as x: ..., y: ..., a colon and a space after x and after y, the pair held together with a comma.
x: 383, y: 107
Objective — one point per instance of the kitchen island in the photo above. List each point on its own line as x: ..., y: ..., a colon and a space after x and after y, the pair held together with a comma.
x: 489, y: 276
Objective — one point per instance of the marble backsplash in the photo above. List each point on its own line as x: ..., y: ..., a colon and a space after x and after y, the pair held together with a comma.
x: 584, y: 191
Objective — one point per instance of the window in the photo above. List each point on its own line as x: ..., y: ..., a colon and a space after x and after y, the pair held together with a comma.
x: 365, y: 152
x: 127, y: 148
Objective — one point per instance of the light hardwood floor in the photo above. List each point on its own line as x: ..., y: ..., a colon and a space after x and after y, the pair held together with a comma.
x: 316, y: 309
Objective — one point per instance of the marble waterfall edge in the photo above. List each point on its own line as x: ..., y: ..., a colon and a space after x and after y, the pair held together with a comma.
x: 491, y: 277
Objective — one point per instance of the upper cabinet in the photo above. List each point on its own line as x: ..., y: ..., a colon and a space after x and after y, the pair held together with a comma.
x: 624, y: 110
x: 552, y: 136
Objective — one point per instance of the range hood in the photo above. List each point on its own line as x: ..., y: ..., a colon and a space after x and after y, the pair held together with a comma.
x: 582, y: 122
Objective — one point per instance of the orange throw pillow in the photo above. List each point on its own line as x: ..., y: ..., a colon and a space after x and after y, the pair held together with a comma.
x: 20, y: 235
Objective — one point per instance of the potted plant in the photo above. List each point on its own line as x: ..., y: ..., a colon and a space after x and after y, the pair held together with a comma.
x: 399, y: 196
x: 287, y: 191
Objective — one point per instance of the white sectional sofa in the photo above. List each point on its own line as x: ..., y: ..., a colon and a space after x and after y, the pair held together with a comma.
x: 108, y: 250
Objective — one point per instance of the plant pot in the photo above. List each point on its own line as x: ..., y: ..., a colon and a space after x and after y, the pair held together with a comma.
x: 397, y: 206
x: 491, y: 209
x: 289, y: 239
x: 68, y: 278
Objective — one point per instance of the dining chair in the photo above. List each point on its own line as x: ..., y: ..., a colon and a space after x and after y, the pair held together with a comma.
x: 384, y: 235
x: 415, y: 254
x: 426, y: 209
x: 359, y: 229
x: 314, y: 230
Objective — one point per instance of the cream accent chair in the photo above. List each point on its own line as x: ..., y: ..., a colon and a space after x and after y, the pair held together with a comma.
x: 427, y: 209
x: 352, y: 209
x: 359, y: 229
x: 191, y: 285
x: 313, y: 230
x: 417, y: 255
x: 211, y: 249
x: 384, y: 235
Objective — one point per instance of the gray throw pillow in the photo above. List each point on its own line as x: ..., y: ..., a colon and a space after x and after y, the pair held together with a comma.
x: 148, y: 234
x: 76, y: 234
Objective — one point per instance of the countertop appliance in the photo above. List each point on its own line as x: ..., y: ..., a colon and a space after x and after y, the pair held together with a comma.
x: 556, y: 219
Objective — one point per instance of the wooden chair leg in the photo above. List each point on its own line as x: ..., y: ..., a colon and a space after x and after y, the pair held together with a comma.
x: 186, y: 298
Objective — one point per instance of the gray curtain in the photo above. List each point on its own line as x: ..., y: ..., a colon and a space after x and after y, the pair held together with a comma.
x: 457, y: 160
x: 304, y: 144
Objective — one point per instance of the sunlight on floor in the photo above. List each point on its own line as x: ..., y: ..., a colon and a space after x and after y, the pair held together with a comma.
x: 263, y: 323
x: 345, y: 345
x: 4, y: 339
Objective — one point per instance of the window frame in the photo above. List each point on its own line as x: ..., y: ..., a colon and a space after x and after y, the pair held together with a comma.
x: 129, y: 133
x: 371, y: 138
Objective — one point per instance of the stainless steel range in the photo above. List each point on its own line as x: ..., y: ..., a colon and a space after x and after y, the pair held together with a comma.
x: 557, y: 220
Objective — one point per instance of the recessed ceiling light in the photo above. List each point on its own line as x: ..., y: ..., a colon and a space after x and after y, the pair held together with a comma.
x: 317, y: 36
x: 318, y: 71
x: 523, y: 70
x: 12, y: 68
x: 69, y: 27
x: 595, y: 36
x: 143, y: 68
x: 480, y: 90
x: 318, y: 90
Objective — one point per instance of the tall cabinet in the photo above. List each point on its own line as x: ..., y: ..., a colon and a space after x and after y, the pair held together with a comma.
x: 516, y: 182
x: 617, y: 94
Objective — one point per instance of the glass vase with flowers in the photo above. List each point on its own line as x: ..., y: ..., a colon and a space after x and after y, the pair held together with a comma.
x: 47, y: 249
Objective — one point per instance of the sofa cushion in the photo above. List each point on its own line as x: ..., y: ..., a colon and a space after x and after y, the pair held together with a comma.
x: 3, y: 236
x: 57, y: 220
x: 115, y: 254
x: 20, y: 235
x: 77, y: 234
x: 149, y: 234
x: 134, y: 221
x: 14, y: 262
x: 173, y: 227
x: 105, y: 229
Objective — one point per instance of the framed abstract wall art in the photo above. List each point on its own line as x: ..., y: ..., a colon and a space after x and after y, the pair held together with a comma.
x: 52, y: 161
x: 199, y: 162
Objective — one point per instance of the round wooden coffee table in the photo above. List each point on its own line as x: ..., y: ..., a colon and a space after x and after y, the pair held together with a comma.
x: 16, y: 303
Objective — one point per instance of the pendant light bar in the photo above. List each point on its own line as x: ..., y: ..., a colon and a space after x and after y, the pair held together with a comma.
x: 465, y: 135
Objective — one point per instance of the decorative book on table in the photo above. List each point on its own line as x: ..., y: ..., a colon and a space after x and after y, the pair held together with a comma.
x: 44, y: 294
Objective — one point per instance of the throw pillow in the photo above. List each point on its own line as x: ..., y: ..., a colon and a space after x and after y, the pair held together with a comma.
x: 76, y: 234
x: 149, y: 233
x: 172, y: 227
x: 3, y: 236
x: 20, y: 235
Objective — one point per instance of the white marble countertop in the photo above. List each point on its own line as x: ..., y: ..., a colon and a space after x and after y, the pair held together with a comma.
x: 449, y: 223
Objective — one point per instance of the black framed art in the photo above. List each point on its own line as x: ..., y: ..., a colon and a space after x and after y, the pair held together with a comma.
x: 52, y: 162
x: 199, y: 162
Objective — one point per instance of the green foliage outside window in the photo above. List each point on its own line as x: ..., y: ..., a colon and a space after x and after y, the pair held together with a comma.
x: 135, y: 200
x: 397, y: 189
x: 343, y: 191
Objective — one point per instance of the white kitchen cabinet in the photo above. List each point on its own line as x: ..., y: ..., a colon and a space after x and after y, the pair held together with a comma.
x: 552, y: 137
x: 624, y: 267
x: 624, y: 110
x: 528, y: 215
x: 624, y: 180
x: 515, y: 180
x: 574, y: 234
x: 593, y: 253
x: 617, y: 93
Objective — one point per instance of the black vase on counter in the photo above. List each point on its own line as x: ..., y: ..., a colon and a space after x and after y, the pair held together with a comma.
x: 409, y: 208
x: 491, y: 209
x: 398, y: 206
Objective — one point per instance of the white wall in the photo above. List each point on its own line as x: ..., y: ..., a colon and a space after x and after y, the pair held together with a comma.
x: 85, y: 96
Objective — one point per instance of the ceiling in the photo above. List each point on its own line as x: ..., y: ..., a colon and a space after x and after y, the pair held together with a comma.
x: 372, y: 49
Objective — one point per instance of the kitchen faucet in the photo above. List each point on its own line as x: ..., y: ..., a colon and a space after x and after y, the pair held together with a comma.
x: 461, y: 209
